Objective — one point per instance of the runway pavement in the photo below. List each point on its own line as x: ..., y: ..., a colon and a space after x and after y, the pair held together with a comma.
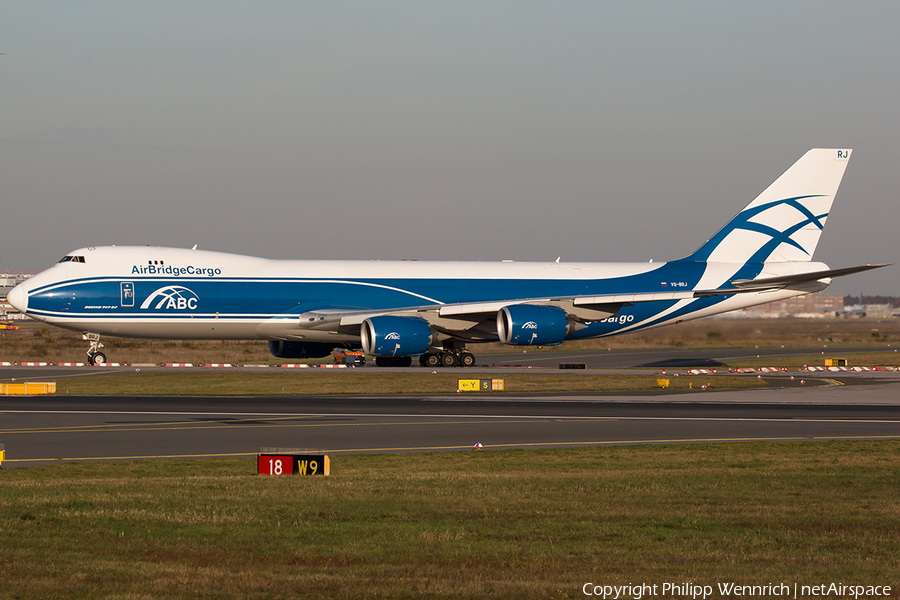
x: 624, y: 361
x: 663, y: 358
x: 44, y: 430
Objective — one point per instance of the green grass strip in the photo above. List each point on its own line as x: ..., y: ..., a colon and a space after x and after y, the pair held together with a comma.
x: 524, y: 524
x: 251, y: 383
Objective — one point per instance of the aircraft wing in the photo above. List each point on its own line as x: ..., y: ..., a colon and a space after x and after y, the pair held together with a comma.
x: 476, y: 320
x: 588, y: 308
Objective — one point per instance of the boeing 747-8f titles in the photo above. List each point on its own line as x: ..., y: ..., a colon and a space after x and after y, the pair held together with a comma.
x: 397, y: 310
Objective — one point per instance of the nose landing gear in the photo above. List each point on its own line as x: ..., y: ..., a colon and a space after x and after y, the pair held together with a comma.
x: 95, y: 357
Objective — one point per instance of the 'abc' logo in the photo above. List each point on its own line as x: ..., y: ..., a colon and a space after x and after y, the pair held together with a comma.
x: 172, y: 297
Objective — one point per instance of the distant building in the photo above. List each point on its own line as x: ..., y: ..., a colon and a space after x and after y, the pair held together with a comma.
x: 878, y: 311
x: 7, y: 282
x: 808, y: 306
x: 11, y: 280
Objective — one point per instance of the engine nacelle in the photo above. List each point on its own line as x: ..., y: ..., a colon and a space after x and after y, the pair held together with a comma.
x: 530, y: 325
x: 281, y: 349
x: 395, y: 336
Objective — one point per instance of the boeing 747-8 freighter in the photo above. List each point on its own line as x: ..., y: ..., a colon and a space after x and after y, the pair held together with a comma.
x: 396, y: 310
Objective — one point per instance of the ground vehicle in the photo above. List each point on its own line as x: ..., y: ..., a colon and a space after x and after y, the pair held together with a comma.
x: 349, y: 357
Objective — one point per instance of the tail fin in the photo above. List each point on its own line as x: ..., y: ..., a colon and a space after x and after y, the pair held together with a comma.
x: 784, y: 222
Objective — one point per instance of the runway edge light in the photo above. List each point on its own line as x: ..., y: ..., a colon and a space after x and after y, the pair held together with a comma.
x: 2, y: 453
x: 279, y: 461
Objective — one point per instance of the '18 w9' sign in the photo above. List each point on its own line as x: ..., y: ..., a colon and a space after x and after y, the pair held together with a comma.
x: 293, y: 464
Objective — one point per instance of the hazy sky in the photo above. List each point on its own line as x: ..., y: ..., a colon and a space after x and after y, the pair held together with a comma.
x: 607, y: 131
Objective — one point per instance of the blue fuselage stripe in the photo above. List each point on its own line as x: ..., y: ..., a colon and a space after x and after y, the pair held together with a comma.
x: 272, y: 297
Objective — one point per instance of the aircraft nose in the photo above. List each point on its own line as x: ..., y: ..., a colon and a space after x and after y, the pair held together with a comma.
x: 18, y: 298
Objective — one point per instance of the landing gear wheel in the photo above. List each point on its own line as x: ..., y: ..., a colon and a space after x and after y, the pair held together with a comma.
x: 95, y: 357
x: 466, y: 359
x: 431, y: 360
x: 448, y: 359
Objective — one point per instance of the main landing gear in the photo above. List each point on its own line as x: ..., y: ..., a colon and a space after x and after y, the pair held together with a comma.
x: 450, y: 357
x: 95, y: 357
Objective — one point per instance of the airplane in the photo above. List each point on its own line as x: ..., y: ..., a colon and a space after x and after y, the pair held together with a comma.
x: 396, y: 310
x: 859, y: 310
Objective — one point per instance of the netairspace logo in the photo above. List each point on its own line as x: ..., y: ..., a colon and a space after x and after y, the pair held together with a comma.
x: 727, y: 590
x: 172, y: 297
x: 530, y: 325
x: 392, y: 336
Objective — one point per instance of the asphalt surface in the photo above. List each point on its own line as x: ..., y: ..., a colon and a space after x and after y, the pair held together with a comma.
x: 646, y: 358
x: 664, y: 358
x: 623, y: 361
x: 44, y: 430
x: 41, y: 430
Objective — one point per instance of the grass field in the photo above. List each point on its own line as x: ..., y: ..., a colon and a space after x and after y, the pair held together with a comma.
x: 522, y: 524
x: 293, y: 383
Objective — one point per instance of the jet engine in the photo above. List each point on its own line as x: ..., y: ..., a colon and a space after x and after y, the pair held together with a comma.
x: 395, y: 336
x: 282, y: 349
x: 530, y: 325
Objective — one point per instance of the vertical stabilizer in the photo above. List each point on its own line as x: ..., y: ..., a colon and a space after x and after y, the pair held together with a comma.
x: 784, y: 222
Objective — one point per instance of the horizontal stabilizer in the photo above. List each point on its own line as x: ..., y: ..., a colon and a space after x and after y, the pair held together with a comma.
x: 768, y: 282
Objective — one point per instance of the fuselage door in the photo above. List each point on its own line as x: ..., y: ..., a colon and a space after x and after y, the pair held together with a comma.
x: 127, y: 293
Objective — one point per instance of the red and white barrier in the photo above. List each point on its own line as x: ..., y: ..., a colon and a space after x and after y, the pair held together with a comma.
x: 35, y: 364
x: 178, y: 365
x: 294, y: 366
x: 217, y: 365
x: 69, y: 364
x: 851, y: 369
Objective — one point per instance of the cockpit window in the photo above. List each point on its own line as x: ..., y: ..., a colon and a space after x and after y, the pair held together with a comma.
x: 79, y: 259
